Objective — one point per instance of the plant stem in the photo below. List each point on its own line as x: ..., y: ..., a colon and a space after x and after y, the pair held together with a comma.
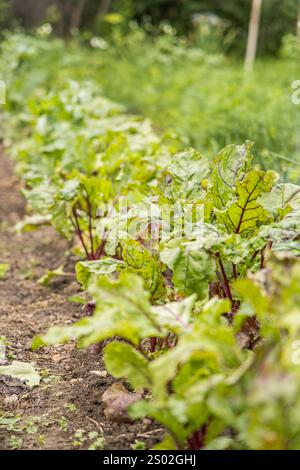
x: 100, y: 249
x: 90, y: 226
x: 262, y: 259
x: 79, y: 232
x: 197, y: 440
x: 234, y: 271
x: 254, y: 256
x: 225, y: 279
x: 153, y: 342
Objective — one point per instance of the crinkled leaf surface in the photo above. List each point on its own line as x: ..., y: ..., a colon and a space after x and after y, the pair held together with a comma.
x: 192, y: 271
x: 228, y: 168
x: 87, y: 271
x: 187, y: 170
x: 246, y: 214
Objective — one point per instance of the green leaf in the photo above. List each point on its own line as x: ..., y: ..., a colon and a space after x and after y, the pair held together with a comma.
x: 246, y: 214
x: 4, y: 267
x: 192, y: 272
x: 50, y: 275
x: 23, y: 371
x: 169, y: 252
x: 88, y: 271
x: 187, y: 170
x: 284, y: 203
x: 123, y: 361
x: 167, y: 443
x: 219, y: 443
x: 229, y: 167
x: 256, y: 303
x: 140, y: 261
x: 77, y: 299
x: 41, y: 197
x: 283, y: 199
x: 176, y: 316
x: 122, y: 309
x: 33, y: 222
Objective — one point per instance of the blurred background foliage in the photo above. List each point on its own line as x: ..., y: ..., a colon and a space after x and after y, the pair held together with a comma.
x: 179, y: 62
x: 278, y: 17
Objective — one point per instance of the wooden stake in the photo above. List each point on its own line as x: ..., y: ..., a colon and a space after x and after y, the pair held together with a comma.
x: 298, y: 21
x: 253, y: 34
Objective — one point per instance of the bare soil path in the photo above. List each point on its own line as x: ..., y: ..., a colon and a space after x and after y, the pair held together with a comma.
x: 66, y: 407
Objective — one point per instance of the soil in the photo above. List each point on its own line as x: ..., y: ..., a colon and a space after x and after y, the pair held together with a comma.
x: 67, y: 406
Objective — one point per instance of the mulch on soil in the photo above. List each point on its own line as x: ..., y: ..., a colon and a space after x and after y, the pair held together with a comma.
x: 66, y: 407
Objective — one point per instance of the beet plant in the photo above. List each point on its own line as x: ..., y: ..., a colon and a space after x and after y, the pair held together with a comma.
x: 208, y: 390
x: 193, y: 285
x: 203, y: 317
x: 81, y: 155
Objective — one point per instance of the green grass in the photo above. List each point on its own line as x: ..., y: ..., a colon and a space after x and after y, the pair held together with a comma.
x: 208, y: 100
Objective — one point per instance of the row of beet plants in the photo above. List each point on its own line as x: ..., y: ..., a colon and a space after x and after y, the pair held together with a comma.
x: 190, y: 266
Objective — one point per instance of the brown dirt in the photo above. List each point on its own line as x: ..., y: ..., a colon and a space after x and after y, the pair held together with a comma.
x: 69, y: 396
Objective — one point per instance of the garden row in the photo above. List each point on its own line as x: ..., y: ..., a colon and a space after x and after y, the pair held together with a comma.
x: 188, y: 266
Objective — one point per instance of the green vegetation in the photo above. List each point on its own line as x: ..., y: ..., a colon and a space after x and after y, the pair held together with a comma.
x: 204, y: 97
x: 278, y: 17
x: 194, y: 284
x: 207, y: 99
